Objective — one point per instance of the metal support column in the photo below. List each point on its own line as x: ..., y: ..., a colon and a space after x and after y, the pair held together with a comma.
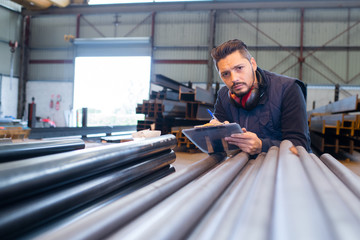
x: 301, y: 58
x: 24, y: 66
x: 210, y: 78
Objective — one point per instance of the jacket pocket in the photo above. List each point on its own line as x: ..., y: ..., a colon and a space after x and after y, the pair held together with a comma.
x: 267, y: 126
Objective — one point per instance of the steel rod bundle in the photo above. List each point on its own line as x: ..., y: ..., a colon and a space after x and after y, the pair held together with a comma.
x: 220, y: 219
x: 70, y: 217
x: 27, y: 177
x: 286, y: 193
x: 246, y: 209
x: 40, y: 208
x: 189, y: 204
x: 343, y: 221
x: 348, y: 177
x: 112, y: 217
x: 16, y: 151
x: 350, y: 200
x: 294, y: 197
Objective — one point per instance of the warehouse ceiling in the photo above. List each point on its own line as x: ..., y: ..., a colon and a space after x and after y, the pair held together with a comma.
x: 40, y: 7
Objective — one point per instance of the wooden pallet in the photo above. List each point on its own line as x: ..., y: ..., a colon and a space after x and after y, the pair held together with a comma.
x: 14, y: 133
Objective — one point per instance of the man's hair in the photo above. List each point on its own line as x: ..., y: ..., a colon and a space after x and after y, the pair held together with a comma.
x: 227, y: 48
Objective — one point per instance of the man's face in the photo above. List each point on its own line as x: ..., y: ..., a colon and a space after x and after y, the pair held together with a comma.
x: 237, y: 73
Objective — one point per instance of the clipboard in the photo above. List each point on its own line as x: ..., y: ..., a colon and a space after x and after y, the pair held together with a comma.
x: 211, y: 139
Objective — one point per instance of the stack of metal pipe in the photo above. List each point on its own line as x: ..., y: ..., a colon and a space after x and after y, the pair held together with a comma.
x: 37, y: 191
x: 286, y: 193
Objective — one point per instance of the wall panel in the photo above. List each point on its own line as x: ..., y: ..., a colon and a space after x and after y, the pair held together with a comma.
x: 182, y: 29
x: 49, y: 31
x: 10, y: 30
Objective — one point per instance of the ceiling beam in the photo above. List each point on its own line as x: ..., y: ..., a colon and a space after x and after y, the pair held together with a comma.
x: 189, y: 6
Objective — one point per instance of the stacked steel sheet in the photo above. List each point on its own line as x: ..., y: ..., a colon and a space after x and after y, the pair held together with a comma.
x: 286, y: 193
x: 336, y: 127
x: 40, y: 190
x: 163, y: 111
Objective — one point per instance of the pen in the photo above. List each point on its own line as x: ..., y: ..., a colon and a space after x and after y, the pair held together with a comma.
x: 212, y: 115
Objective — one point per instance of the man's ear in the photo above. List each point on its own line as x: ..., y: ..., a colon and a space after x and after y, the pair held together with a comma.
x: 253, y: 63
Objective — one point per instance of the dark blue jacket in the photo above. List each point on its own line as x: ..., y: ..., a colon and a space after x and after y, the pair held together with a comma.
x: 280, y: 114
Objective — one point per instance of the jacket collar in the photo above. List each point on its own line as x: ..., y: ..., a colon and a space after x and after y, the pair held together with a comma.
x: 263, y: 85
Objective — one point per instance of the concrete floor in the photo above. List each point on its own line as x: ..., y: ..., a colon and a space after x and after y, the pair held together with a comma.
x: 184, y: 159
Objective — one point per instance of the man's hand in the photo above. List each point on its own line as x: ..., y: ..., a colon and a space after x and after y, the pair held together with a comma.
x: 248, y: 142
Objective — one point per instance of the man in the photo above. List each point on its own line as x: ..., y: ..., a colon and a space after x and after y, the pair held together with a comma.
x: 269, y: 107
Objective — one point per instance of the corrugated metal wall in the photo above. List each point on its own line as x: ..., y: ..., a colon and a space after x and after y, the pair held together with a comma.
x: 181, y: 41
x: 179, y: 36
x: 10, y: 30
x: 47, y: 43
x: 273, y: 37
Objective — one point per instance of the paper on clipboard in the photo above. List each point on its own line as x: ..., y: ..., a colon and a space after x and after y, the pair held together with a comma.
x: 211, y: 139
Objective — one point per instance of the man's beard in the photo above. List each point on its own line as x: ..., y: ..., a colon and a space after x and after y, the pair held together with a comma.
x: 242, y: 93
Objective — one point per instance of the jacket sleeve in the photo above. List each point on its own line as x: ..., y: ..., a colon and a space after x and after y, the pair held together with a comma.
x: 294, y: 124
x: 267, y: 143
x: 219, y: 110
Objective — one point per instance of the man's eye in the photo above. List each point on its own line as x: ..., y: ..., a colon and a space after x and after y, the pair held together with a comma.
x: 225, y: 74
x: 239, y: 67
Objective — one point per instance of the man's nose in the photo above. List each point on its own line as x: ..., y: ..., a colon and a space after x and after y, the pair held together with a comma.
x: 233, y: 78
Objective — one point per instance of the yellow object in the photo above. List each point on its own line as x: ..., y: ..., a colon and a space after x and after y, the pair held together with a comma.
x: 69, y: 38
x: 60, y: 3
x: 42, y: 4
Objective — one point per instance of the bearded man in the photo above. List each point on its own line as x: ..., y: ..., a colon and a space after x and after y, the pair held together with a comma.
x: 269, y: 107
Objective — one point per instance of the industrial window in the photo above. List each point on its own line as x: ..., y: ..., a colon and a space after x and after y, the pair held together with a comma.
x: 110, y: 88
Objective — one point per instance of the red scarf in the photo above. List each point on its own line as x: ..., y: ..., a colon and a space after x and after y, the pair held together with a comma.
x: 243, y: 99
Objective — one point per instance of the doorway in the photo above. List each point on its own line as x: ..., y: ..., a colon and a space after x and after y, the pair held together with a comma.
x: 110, y: 88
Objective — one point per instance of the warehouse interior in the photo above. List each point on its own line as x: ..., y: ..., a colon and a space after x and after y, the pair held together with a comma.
x: 98, y: 101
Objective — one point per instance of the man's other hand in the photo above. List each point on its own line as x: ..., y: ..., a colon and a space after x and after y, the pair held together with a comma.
x: 248, y: 142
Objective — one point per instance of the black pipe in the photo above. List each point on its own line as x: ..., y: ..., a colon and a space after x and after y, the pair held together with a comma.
x: 16, y: 151
x: 84, y: 211
x: 27, y: 177
x: 39, y: 209
x: 119, y: 213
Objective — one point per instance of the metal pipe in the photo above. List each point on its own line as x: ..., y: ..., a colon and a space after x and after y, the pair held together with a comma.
x: 26, y: 177
x: 189, y: 204
x: 219, y: 220
x: 350, y: 179
x: 16, y: 151
x: 285, y: 194
x: 88, y: 209
x: 350, y: 199
x: 341, y: 219
x: 254, y: 221
x: 112, y: 217
x: 18, y: 217
x: 296, y: 208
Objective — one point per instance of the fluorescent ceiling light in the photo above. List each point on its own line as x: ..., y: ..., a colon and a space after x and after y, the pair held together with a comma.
x: 127, y: 40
